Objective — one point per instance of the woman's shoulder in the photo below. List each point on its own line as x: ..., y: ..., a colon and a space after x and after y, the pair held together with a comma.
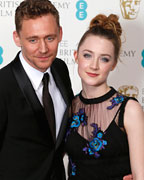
x: 133, y: 113
x: 133, y: 106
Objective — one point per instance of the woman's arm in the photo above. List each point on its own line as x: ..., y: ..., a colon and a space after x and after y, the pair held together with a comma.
x: 134, y: 125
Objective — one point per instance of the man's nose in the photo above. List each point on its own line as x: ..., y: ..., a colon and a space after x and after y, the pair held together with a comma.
x: 43, y: 48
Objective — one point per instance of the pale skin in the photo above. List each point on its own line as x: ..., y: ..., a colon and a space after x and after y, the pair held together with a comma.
x: 95, y: 59
x: 134, y: 125
x: 38, y: 40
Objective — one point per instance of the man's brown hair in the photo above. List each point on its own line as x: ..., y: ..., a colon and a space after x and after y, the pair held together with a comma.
x: 31, y: 9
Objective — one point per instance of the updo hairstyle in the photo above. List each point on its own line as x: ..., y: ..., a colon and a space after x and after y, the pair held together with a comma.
x: 107, y: 27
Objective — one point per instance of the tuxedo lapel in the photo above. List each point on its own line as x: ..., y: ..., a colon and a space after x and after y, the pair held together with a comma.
x: 60, y: 84
x: 62, y: 128
x: 26, y: 87
x: 63, y: 90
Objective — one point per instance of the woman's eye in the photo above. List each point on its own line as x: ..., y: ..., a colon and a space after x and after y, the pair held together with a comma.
x: 86, y: 55
x: 105, y: 59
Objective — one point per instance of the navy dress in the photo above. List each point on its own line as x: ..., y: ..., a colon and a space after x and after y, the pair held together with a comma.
x: 96, y: 141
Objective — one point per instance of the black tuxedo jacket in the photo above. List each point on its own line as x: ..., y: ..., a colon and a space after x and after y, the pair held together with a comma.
x: 27, y: 150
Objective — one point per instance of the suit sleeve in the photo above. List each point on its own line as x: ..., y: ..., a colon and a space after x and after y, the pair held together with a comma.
x: 3, y: 113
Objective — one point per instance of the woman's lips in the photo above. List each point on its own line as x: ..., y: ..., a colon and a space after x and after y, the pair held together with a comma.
x: 92, y: 74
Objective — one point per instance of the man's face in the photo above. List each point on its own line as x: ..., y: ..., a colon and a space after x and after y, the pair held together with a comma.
x: 39, y: 39
x: 130, y: 8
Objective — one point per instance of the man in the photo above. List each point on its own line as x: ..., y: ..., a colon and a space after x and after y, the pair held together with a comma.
x: 28, y: 151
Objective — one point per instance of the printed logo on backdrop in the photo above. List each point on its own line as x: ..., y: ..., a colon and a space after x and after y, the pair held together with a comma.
x: 142, y: 62
x: 81, y: 13
x: 130, y: 8
x: 1, y: 53
x: 66, y: 53
x: 128, y: 53
x: 129, y: 90
x: 61, y: 5
x: 7, y: 8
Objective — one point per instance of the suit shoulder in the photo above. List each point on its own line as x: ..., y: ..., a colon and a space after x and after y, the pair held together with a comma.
x: 6, y: 76
x: 5, y: 70
x: 60, y: 62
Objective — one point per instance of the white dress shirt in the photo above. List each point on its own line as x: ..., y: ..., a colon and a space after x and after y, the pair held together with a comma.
x: 35, y: 77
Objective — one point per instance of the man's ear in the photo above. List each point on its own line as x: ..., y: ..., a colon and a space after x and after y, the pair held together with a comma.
x: 76, y: 56
x: 16, y: 38
x: 60, y: 33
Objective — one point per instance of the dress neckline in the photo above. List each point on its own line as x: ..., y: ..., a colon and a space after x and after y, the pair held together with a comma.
x: 97, y: 100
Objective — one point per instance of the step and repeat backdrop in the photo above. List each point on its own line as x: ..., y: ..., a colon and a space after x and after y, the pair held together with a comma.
x: 75, y: 15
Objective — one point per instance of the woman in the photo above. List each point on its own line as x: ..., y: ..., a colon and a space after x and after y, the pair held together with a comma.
x: 104, y: 140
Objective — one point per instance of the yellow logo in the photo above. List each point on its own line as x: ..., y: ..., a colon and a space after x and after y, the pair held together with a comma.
x: 131, y: 91
x: 130, y: 8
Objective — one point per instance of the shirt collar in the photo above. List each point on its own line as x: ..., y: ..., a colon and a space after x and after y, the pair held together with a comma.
x: 34, y: 75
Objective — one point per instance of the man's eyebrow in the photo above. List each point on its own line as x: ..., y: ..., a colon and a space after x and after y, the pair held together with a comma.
x: 34, y: 37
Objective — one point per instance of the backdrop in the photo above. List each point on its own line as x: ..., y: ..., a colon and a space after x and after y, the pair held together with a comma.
x: 75, y: 16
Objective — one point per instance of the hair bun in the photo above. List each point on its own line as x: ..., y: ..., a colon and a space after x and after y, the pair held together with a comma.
x: 107, y: 23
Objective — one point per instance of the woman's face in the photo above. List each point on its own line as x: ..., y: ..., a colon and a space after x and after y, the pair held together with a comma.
x: 95, y: 59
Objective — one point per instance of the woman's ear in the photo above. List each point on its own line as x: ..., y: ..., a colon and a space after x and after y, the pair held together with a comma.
x: 114, y: 65
x: 76, y: 56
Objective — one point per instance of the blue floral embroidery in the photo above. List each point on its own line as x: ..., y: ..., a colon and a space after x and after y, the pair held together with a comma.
x: 97, y: 143
x: 115, y: 101
x: 73, y: 167
x: 79, y: 118
x: 75, y: 121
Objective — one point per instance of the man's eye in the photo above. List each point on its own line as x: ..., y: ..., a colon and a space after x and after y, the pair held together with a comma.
x: 32, y: 40
x: 50, y: 38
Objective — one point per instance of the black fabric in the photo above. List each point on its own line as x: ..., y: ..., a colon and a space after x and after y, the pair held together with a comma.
x: 121, y: 122
x: 48, y: 106
x: 27, y: 149
x: 113, y: 161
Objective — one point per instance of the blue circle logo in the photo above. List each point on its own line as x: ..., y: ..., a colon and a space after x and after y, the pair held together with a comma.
x: 1, y: 52
x: 142, y: 62
x: 81, y: 6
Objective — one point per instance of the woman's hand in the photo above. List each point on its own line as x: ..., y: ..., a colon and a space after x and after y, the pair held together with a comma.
x: 128, y: 177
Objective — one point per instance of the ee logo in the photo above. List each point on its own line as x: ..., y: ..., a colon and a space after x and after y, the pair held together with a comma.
x: 1, y: 52
x: 81, y: 6
x: 142, y: 62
